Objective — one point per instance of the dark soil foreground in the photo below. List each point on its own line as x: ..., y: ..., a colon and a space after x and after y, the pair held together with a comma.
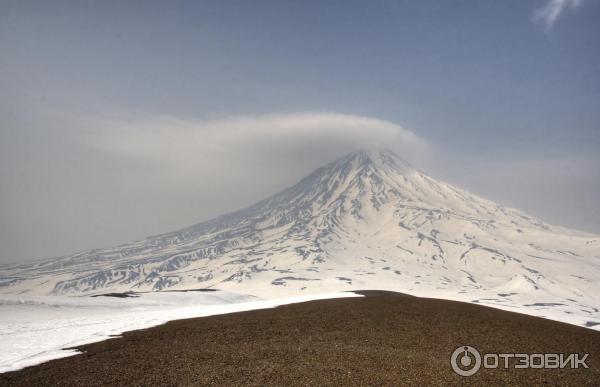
x: 383, y: 339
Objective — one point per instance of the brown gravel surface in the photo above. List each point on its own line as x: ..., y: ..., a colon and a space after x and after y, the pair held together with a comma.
x: 382, y: 339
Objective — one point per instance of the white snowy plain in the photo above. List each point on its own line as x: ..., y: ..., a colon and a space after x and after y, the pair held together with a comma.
x: 35, y: 329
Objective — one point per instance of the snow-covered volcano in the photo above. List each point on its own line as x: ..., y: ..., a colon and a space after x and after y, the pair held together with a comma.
x: 366, y: 221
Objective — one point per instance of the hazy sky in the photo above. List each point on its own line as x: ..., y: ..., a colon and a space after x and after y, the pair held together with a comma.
x: 120, y: 120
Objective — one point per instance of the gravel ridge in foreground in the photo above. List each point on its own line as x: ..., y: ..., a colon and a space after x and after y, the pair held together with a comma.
x: 382, y: 339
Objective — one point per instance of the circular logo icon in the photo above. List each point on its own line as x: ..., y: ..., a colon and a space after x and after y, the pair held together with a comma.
x: 465, y: 360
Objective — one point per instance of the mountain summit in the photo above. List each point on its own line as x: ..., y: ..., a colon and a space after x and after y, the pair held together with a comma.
x: 368, y: 220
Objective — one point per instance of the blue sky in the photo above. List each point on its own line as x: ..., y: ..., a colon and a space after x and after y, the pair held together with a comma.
x: 505, y: 94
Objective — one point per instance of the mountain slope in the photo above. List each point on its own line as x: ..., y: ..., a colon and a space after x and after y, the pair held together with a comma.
x: 366, y: 221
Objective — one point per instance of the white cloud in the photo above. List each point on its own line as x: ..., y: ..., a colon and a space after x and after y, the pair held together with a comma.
x: 235, y: 145
x: 551, y: 11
